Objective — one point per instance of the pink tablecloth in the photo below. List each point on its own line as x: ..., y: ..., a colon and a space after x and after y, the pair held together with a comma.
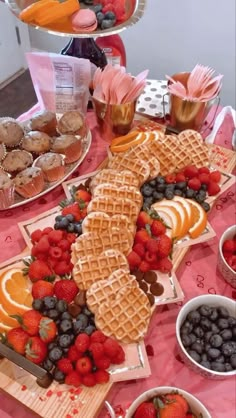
x: 197, y: 275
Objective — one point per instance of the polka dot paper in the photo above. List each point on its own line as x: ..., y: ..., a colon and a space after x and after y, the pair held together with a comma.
x: 154, y: 101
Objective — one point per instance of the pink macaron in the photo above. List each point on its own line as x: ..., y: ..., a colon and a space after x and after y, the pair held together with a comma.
x: 84, y: 21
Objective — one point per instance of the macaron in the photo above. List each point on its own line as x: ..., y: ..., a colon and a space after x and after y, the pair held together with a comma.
x: 84, y: 20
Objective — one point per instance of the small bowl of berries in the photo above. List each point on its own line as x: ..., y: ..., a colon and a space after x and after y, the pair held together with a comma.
x: 227, y: 255
x: 167, y: 401
x: 206, y: 336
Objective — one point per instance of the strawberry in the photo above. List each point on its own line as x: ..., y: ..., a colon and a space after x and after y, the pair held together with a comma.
x: 175, y: 397
x: 39, y: 270
x: 194, y: 183
x: 73, y: 379
x: 191, y: 171
x: 229, y: 246
x: 180, y: 177
x: 134, y: 260
x: 42, y: 245
x: 139, y: 249
x: 215, y: 176
x: 55, y: 252
x: 29, y: 321
x: 172, y: 411
x: 231, y: 260
x: 82, y: 195
x: 17, y: 339
x: 55, y: 236
x: 89, y: 380
x: 42, y: 288
x: 36, y: 235
x: 213, y: 188
x: 204, y: 178
x: 144, y: 266
x: 97, y: 337
x: 82, y: 342
x: 62, y: 268
x: 64, y: 244
x: 157, y: 228
x: 165, y: 265
x: 146, y: 410
x: 204, y: 170
x: 141, y: 236
x: 36, y: 350
x: 97, y: 349
x: 152, y: 246
x: 47, y: 329
x: 170, y: 178
x: 73, y: 354
x: 83, y: 365
x: 77, y: 209
x: 143, y: 219
x: 66, y: 290
x: 164, y: 246
x: 102, y: 362
x: 111, y: 347
x: 101, y: 376
x: 119, y: 358
x: 65, y: 365
x: 150, y: 257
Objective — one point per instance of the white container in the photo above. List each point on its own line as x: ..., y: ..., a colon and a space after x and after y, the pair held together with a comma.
x: 227, y: 272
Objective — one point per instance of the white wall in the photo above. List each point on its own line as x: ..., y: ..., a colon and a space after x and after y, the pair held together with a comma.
x: 173, y: 36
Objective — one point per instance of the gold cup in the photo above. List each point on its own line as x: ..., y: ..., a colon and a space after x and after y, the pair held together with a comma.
x: 114, y: 119
x: 185, y: 114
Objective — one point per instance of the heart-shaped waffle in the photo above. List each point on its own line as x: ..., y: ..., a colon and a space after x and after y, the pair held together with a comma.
x: 172, y: 146
x: 166, y: 160
x: 90, y: 269
x: 117, y: 178
x: 138, y: 167
x: 123, y: 192
x: 114, y: 207
x: 105, y: 290
x: 197, y: 149
x: 142, y: 152
x: 126, y: 317
x: 100, y: 221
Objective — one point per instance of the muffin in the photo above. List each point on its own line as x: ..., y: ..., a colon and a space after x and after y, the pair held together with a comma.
x: 44, y: 121
x: 69, y: 145
x: 72, y: 123
x: 52, y: 166
x: 29, y: 182
x: 17, y: 160
x: 2, y: 152
x: 11, y: 133
x: 6, y: 190
x: 36, y: 142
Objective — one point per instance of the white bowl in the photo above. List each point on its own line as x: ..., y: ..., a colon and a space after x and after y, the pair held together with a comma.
x: 227, y: 272
x: 211, y: 300
x: 196, y: 406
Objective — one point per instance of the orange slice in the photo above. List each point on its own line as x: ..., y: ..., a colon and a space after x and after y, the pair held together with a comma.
x: 188, y: 208
x: 200, y: 220
x: 182, y: 216
x: 173, y: 213
x: 4, y: 327
x: 123, y: 143
x: 15, y: 294
x: 6, y: 319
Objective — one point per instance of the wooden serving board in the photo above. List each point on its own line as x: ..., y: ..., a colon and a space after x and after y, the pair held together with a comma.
x: 59, y: 401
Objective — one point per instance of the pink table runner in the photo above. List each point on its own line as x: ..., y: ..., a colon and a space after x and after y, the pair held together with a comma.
x: 197, y: 275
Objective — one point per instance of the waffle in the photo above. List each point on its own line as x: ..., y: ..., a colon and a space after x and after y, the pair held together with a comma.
x: 138, y: 167
x: 172, y: 146
x: 193, y: 142
x: 118, y: 178
x: 142, y: 152
x: 104, y: 290
x: 90, y: 269
x: 126, y: 317
x: 166, y: 160
x: 114, y: 206
x: 100, y: 221
x: 92, y: 243
x: 123, y: 192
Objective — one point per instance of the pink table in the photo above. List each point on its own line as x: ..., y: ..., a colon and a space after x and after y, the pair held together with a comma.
x: 197, y: 275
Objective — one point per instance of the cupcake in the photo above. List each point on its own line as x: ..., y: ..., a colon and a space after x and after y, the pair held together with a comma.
x: 36, y: 142
x: 72, y: 123
x: 52, y: 166
x: 11, y: 133
x: 29, y: 182
x: 44, y: 121
x: 17, y: 160
x: 6, y: 190
x: 2, y: 152
x: 69, y: 145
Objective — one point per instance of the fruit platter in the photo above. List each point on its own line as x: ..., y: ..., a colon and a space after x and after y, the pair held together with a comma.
x: 98, y: 265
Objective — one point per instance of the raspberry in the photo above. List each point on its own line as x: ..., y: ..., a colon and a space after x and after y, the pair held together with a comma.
x: 213, y: 188
x: 42, y: 245
x: 65, y: 365
x: 165, y: 246
x: 141, y: 236
x: 231, y: 260
x: 144, y: 266
x: 101, y: 376
x: 157, y: 228
x: 143, y: 219
x: 89, y: 380
x: 71, y: 238
x: 229, y: 246
x: 194, y: 183
x: 73, y: 379
x: 66, y: 256
x: 102, y: 362
x: 170, y: 178
x: 120, y: 357
x: 152, y: 246
x: 108, y: 8
x: 139, y: 249
x: 73, y: 354
x: 64, y: 244
x: 82, y: 342
x: 215, y: 176
x: 180, y: 177
x: 134, y: 260
x: 46, y: 230
x: 36, y: 235
x: 111, y: 347
x: 120, y: 10
x: 191, y: 171
x: 204, y: 178
x: 165, y: 265
x: 204, y: 170
x: 97, y: 337
x: 150, y: 257
x: 84, y: 365
x: 96, y: 349
x: 54, y: 237
x: 55, y: 252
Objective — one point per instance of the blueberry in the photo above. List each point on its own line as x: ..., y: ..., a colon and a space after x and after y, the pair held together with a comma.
x: 169, y: 194
x: 218, y: 367
x: 181, y: 185
x: 213, y: 353
x: 223, y: 312
x: 52, y: 345
x: 47, y: 365
x: 170, y: 186
x: 178, y: 192
x: 157, y: 196
x: 64, y: 340
x: 88, y: 2
x: 148, y: 202
x: 160, y: 180
x: 161, y: 187
x: 197, y: 347
x: 147, y: 190
x: 58, y: 218
x: 110, y: 16
x: 220, y: 359
x: 233, y: 361
x: 206, y: 364
x: 205, y: 324
x: 59, y: 376
x: 202, y: 193
x: 55, y: 354
x: 199, y: 198
x: 214, y: 314
x: 228, y: 367
x: 61, y: 306
x: 66, y: 315
x: 203, y: 187
x: 98, y: 8
x: 152, y: 183
x: 70, y: 217
x: 223, y: 323
x: 186, y: 340
x: 229, y: 348
x: 53, y: 314
x: 193, y: 338
x: 65, y: 325
x: 89, y: 329
x: 226, y: 334
x: 70, y: 228
x: 107, y: 23
x: 234, y: 333
x: 195, y: 356
x: 204, y: 357
x: 194, y: 317
x: 78, y: 228
x: 38, y: 304
x: 190, y: 193
x: 57, y: 226
x: 187, y: 326
x: 208, y: 335
x: 205, y: 206
x: 78, y: 327
x: 198, y: 331
x: 49, y: 302
x: 215, y: 329
x: 83, y: 318
x: 100, y: 18
x: 231, y: 321
x: 205, y: 310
